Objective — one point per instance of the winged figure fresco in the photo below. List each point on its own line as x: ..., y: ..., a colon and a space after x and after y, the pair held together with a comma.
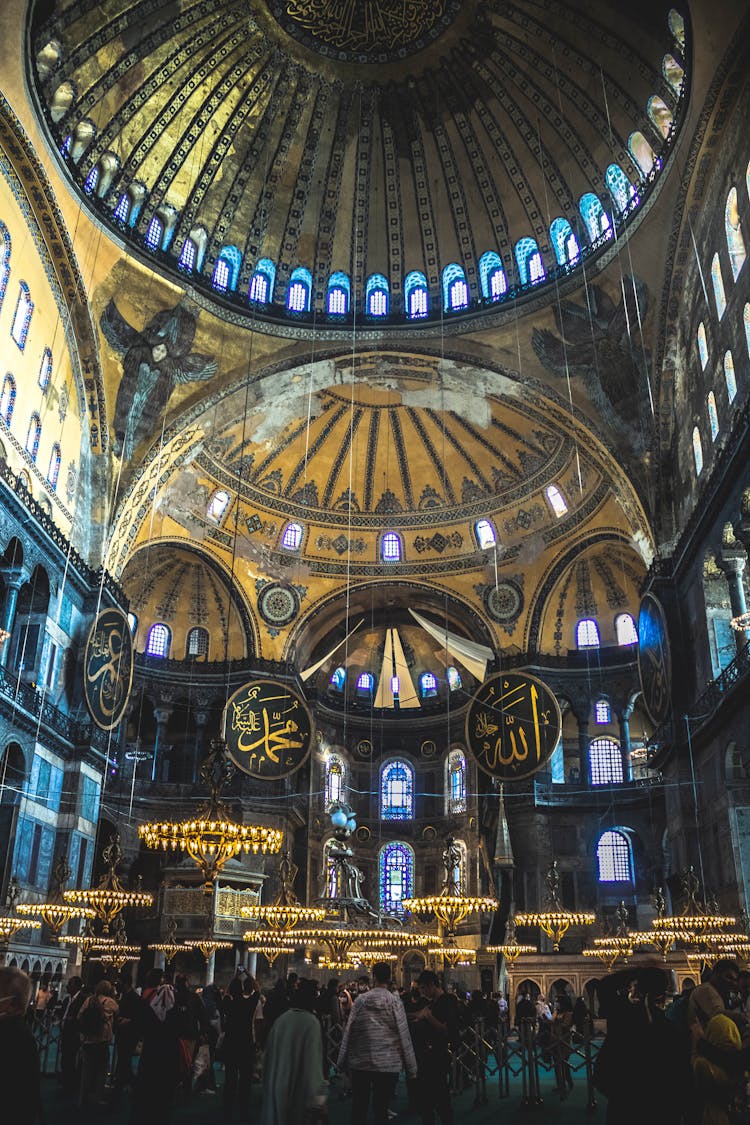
x: 154, y: 361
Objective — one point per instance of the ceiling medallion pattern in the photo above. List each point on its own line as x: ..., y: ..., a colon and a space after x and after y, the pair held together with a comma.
x: 278, y: 605
x: 504, y: 601
x: 365, y: 30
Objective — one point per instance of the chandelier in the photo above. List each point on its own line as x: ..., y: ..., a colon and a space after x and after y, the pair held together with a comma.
x: 10, y: 922
x: 286, y: 911
x: 116, y: 951
x: 171, y: 947
x: 109, y: 897
x: 56, y: 912
x: 741, y: 623
x: 453, y: 954
x: 209, y: 945
x: 270, y: 948
x: 451, y: 907
x: 341, y: 942
x: 370, y: 957
x: 212, y: 837
x: 696, y: 923
x: 511, y: 949
x: 87, y: 940
x: 556, y: 921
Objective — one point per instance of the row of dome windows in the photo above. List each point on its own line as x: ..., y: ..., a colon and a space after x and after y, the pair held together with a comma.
x: 33, y: 434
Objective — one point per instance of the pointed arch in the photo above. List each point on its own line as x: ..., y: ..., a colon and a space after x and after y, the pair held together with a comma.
x: 396, y: 790
x: 396, y: 870
x: 735, y: 241
x: 262, y: 282
x: 338, y: 297
x: 455, y: 289
x: 377, y: 295
x: 529, y: 262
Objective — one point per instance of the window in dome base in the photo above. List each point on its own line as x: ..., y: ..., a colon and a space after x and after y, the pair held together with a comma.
x: 735, y: 241
x: 613, y: 858
x: 197, y: 643
x: 713, y: 415
x: 339, y: 289
x: 428, y: 685
x: 454, y: 678
x: 365, y: 685
x: 729, y: 376
x: 338, y: 679
x: 485, y: 534
x: 390, y: 547
x: 626, y: 632
x: 377, y: 295
x: 492, y: 279
x: 298, y: 293
x: 227, y: 270
x: 415, y: 295
x: 718, y: 283
x: 620, y: 188
x: 595, y: 217
x: 564, y: 242
x: 262, y: 282
x: 697, y: 451
x: 557, y: 500
x: 529, y: 262
x: 455, y: 289
x: 45, y: 370
x: 702, y: 346
x: 159, y: 639
x: 587, y: 633
x: 188, y: 256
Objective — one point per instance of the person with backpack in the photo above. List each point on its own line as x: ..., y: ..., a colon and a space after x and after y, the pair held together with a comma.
x: 192, y: 1022
x: 437, y: 1025
x: 70, y: 1036
x: 96, y: 1024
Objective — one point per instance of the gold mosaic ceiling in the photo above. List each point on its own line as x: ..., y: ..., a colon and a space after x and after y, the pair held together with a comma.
x: 216, y: 117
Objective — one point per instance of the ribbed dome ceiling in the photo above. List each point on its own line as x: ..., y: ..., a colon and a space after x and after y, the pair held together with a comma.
x: 244, y: 133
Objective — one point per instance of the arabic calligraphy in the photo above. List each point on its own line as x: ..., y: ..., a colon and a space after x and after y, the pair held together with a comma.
x: 367, y: 26
x: 268, y: 729
x: 108, y: 668
x: 654, y: 658
x: 513, y: 725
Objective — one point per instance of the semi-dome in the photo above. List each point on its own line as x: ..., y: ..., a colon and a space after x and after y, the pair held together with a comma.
x: 412, y: 165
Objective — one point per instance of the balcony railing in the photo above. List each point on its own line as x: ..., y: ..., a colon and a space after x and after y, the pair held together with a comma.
x: 31, y: 702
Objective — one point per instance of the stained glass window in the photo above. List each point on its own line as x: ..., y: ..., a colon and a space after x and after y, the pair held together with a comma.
x: 605, y: 761
x: 673, y: 73
x: 33, y: 436
x: 197, y: 642
x: 338, y: 294
x: 620, y: 187
x: 227, y: 269
x: 485, y: 534
x: 376, y: 295
x: 713, y: 415
x: 428, y: 685
x: 587, y: 633
x: 22, y: 319
x: 397, y: 791
x: 396, y: 877
x: 454, y: 678
x: 702, y: 345
x: 594, y: 216
x: 455, y: 289
x: 45, y: 369
x: 217, y: 505
x: 365, y: 684
x: 159, y: 638
x: 625, y: 630
x: 338, y: 678
x: 334, y: 779
x: 91, y: 180
x: 221, y: 275
x: 262, y: 282
x: 155, y: 233
x: 122, y: 210
x: 456, y: 782
x: 613, y: 857
x: 729, y: 376
x: 718, y: 284
x: 735, y: 241
x: 557, y: 500
x: 564, y: 242
x: 291, y: 540
x: 660, y: 115
x: 188, y: 255
x: 697, y: 451
x: 390, y: 547
x: 492, y: 279
x: 53, y: 471
x: 529, y: 261
x: 677, y: 27
x: 8, y: 399
x: 415, y: 295
x: 602, y: 712
x: 642, y: 153
x: 298, y: 292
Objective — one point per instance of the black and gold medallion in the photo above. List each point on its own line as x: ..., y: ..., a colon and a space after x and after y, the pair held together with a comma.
x: 108, y: 668
x: 513, y: 725
x: 654, y: 658
x: 268, y: 729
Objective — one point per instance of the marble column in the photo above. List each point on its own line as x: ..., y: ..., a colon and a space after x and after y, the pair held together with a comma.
x: 733, y: 560
x: 623, y: 719
x: 210, y: 969
x: 162, y: 716
x: 12, y: 590
x: 583, y: 745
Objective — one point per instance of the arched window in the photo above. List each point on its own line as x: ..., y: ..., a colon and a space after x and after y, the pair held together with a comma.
x: 746, y: 322
x: 673, y: 73
x: 155, y: 234
x: 8, y: 399
x: 564, y: 242
x: 455, y: 782
x: 390, y: 547
x: 377, y: 295
x: 642, y: 153
x: 529, y: 262
x: 298, y: 291
x: 557, y: 500
x: 158, y: 640
x: 197, y: 643
x: 89, y: 184
x: 453, y: 676
x: 428, y: 685
x: 735, y: 241
x: 729, y: 376
x: 396, y: 877
x: 365, y: 685
x: 4, y: 260
x: 262, y: 282
x: 718, y: 284
x: 33, y: 436
x: 338, y: 679
x: 291, y: 540
x: 620, y: 188
x: 396, y: 791
x: 605, y: 761
x: 492, y: 279
x: 53, y: 471
x: 455, y: 289
x: 594, y: 216
x: 45, y: 369
x: 335, y: 777
x: 22, y: 318
x: 133, y: 623
x: 188, y: 256
x: 613, y: 857
x: 713, y: 415
x: 660, y: 115
x: 677, y: 27
x: 227, y: 269
x: 485, y: 533
x: 602, y: 713
x: 122, y: 209
x: 339, y: 292
x: 416, y: 298
x: 217, y: 505
x: 625, y: 630
x: 702, y: 345
x: 587, y: 633
x: 697, y: 451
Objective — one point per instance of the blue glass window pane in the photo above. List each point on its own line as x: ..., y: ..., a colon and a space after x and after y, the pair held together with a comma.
x: 613, y: 857
x: 397, y: 791
x: 90, y: 798
x: 390, y: 547
x: 396, y: 877
x: 605, y: 762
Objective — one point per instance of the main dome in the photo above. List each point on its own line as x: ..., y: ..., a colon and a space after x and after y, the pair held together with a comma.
x: 356, y: 160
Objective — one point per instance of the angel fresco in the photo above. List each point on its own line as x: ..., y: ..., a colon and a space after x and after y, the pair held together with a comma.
x: 154, y: 361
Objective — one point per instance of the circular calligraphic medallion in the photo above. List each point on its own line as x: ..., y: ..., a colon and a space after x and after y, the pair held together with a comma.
x: 278, y: 605
x: 654, y: 658
x: 268, y: 729
x: 108, y: 668
x: 513, y: 725
x: 503, y: 602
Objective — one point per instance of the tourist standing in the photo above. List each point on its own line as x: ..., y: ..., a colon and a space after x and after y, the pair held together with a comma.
x: 293, y: 1082
x: 19, y: 1058
x: 437, y: 1024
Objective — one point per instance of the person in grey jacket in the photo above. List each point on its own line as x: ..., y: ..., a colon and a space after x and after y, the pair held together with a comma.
x: 376, y: 1047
